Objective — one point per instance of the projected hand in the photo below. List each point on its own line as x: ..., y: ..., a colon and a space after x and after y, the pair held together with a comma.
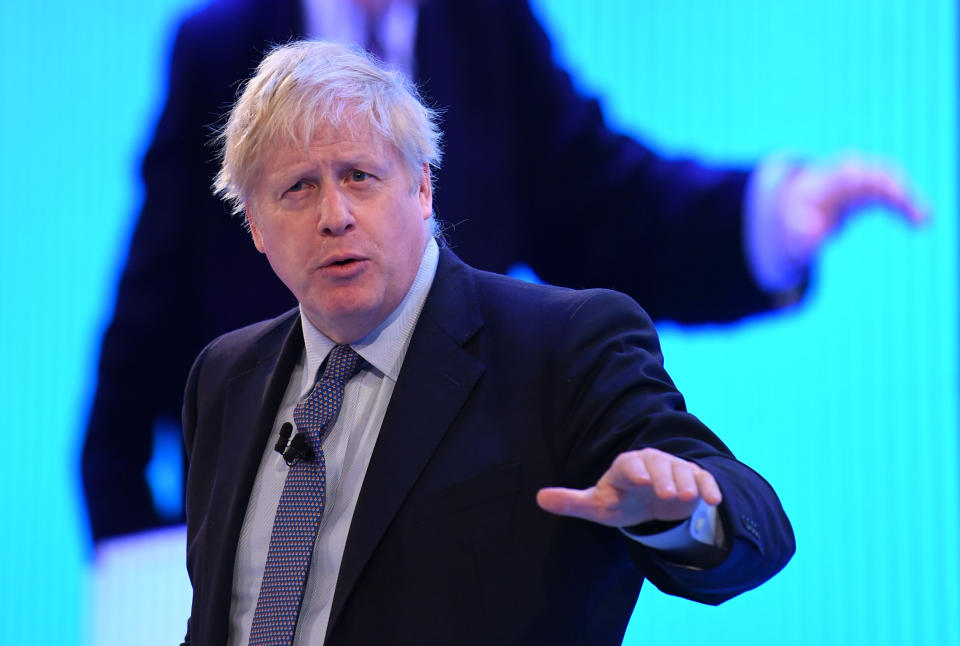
x: 816, y: 198
x: 639, y: 486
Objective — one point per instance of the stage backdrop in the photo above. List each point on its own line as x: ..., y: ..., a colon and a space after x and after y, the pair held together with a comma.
x: 847, y: 403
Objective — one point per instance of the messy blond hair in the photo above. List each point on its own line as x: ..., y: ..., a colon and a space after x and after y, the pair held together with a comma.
x: 305, y: 85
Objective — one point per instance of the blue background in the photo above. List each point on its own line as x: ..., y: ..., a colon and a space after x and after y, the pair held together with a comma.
x: 848, y: 403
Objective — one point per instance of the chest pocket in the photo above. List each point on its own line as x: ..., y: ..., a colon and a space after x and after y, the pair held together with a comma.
x: 498, y: 484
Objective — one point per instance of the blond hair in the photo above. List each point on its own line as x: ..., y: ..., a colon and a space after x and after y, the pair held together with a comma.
x: 305, y: 85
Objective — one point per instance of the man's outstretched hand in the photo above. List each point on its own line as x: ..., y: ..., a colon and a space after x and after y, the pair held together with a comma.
x: 638, y: 487
x: 818, y: 196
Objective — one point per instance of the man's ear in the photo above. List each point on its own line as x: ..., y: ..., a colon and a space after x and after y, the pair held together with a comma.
x: 254, y: 231
x: 425, y: 192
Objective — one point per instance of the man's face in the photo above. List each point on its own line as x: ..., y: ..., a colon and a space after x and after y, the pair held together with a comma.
x: 343, y: 225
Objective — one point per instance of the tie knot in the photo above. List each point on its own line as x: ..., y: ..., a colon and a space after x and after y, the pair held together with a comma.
x: 342, y: 363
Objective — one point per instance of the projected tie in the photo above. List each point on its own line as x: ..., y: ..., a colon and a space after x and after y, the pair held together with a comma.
x: 371, y: 32
x: 300, y: 508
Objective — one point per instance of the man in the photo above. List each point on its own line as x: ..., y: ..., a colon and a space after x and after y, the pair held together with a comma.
x: 451, y: 403
x: 693, y: 244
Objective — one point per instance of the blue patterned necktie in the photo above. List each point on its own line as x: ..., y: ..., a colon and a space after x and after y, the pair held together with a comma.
x: 300, y: 508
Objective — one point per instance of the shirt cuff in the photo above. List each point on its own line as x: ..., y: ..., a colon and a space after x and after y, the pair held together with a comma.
x: 698, y: 540
x: 764, y: 244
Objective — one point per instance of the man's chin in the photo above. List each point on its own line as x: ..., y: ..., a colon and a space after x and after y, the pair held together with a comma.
x: 348, y: 316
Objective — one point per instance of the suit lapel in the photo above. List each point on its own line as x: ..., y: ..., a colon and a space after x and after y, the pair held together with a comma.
x: 438, y: 375
x: 251, y: 399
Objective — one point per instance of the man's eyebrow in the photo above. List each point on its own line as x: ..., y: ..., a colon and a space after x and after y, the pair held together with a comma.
x: 362, y: 158
x: 372, y: 163
x: 291, y: 173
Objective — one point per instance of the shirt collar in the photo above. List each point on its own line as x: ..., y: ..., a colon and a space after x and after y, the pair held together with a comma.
x: 386, y: 345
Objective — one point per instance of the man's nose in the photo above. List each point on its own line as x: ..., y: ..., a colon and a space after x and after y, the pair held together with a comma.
x: 334, y: 216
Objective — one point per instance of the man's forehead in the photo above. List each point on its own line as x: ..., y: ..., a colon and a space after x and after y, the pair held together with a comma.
x: 352, y: 129
x: 327, y: 141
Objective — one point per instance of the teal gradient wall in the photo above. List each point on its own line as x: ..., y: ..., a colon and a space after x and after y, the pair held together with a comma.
x: 847, y: 403
x: 81, y: 85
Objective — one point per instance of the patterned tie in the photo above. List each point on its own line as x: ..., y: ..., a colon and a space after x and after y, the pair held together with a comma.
x: 300, y: 508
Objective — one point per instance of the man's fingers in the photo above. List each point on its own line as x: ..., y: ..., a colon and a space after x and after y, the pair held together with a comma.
x: 568, y: 502
x: 628, y: 471
x: 661, y: 474
x: 708, y: 487
x: 639, y: 485
x: 669, y: 476
x: 607, y: 506
x: 857, y: 182
x: 818, y: 198
x: 684, y: 477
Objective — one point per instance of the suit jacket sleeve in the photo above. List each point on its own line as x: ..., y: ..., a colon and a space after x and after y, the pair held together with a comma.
x: 618, y: 397
x: 668, y: 232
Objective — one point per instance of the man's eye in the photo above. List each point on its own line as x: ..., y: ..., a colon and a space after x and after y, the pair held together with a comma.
x: 299, y: 186
x: 358, y: 175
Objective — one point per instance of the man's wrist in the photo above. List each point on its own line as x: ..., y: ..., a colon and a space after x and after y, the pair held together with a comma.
x: 651, y: 527
x: 697, y: 542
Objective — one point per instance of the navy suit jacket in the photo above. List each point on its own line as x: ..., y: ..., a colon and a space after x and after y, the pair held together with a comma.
x: 506, y: 388
x: 531, y: 173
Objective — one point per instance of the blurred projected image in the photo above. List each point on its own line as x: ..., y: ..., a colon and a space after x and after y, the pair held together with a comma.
x: 534, y: 175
